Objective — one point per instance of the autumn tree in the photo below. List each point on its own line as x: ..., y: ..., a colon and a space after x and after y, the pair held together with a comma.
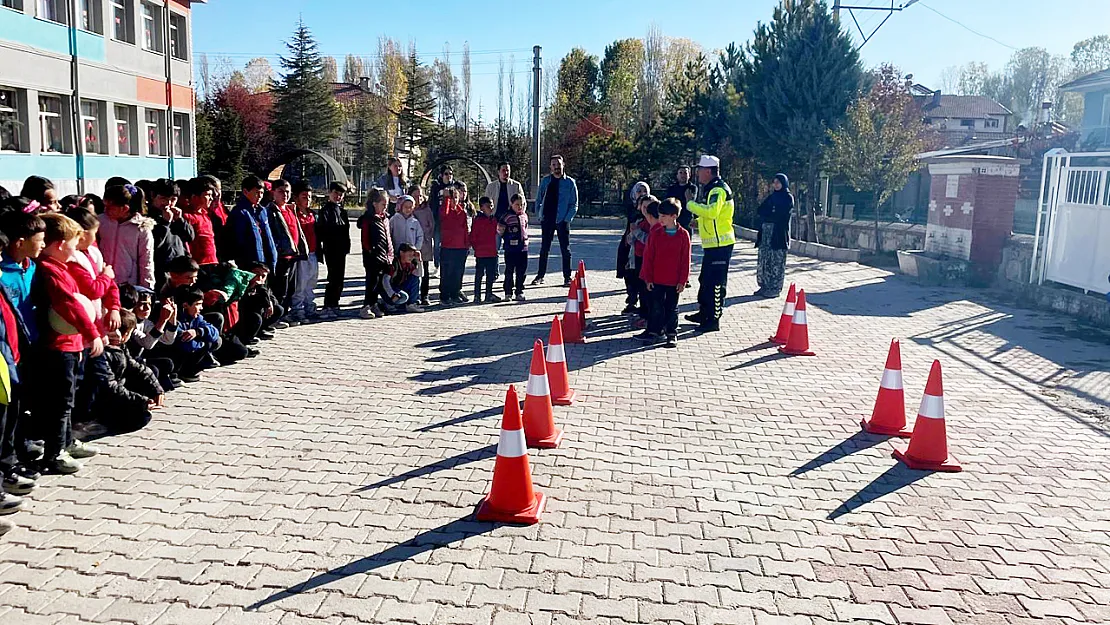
x: 305, y: 112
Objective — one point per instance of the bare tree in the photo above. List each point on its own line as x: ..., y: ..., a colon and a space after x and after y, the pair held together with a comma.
x: 205, y: 77
x: 331, y: 69
x: 466, y: 88
x: 653, y: 76
x: 354, y: 68
x: 950, y: 80
x: 512, y: 89
x: 258, y: 74
x: 500, y: 100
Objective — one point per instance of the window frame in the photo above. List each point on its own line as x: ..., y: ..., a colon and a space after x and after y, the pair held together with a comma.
x: 130, y: 124
x: 14, y: 5
x: 160, y: 125
x: 181, y: 132
x: 128, y: 24
x: 17, y: 112
x: 157, y: 37
x: 967, y: 123
x: 45, y: 116
x: 98, y: 120
x: 992, y: 123
x: 91, y: 18
x: 179, y: 49
x: 56, y: 7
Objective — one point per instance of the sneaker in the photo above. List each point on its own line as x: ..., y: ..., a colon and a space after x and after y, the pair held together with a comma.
x: 672, y: 342
x: 16, y: 484
x: 630, y: 310
x: 520, y: 297
x: 493, y: 299
x: 10, y: 503
x: 424, y: 302
x: 35, y: 450
x: 640, y: 324
x: 252, y: 352
x: 377, y: 311
x: 708, y: 327
x: 281, y: 325
x: 64, y: 464
x: 537, y: 281
x: 647, y: 337
x: 697, y: 318
x: 209, y: 362
x: 367, y: 312
x: 190, y: 379
x: 414, y: 308
x: 81, y: 450
x: 6, y: 526
x: 462, y: 299
x: 27, y: 471
x: 566, y: 282
x: 292, y: 323
x: 328, y: 313
x: 266, y: 335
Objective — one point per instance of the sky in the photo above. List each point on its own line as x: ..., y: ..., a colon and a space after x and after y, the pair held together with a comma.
x: 923, y: 40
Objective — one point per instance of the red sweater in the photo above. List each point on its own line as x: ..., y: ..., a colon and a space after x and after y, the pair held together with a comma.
x: 666, y: 257
x: 56, y: 291
x: 483, y: 236
x: 289, y: 214
x: 203, y: 246
x: 308, y: 225
x: 452, y: 226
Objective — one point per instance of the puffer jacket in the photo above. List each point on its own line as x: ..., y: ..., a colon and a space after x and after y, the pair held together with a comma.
x: 128, y: 247
x: 427, y: 221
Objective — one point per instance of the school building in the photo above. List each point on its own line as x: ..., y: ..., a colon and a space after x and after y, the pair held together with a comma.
x: 91, y: 89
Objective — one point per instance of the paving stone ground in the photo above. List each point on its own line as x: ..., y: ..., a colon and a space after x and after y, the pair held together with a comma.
x: 331, y: 480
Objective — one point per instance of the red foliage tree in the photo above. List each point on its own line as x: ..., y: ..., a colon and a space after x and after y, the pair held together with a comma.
x: 256, y: 112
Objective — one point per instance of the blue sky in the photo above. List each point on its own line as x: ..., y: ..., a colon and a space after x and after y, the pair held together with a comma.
x: 918, y: 40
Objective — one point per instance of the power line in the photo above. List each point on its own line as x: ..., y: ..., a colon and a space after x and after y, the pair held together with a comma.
x: 968, y: 28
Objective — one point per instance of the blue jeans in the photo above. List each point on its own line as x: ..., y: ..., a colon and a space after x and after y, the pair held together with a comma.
x: 409, y: 291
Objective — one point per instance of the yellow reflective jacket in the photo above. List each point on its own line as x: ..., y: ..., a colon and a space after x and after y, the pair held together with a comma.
x: 715, y: 215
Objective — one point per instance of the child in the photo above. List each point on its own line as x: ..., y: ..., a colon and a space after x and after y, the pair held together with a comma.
x: 41, y: 190
x: 201, y: 193
x: 483, y: 238
x: 26, y: 240
x: 249, y: 223
x: 289, y: 241
x: 66, y: 323
x: 454, y: 229
x: 514, y: 235
x: 172, y: 233
x: 181, y: 272
x: 152, y: 339
x: 259, y: 310
x: 131, y: 389
x: 404, y: 227
x: 333, y: 241
x: 12, y: 335
x: 377, y: 249
x: 665, y: 270
x: 198, y: 339
x: 127, y: 237
x: 401, y: 283
x: 427, y: 218
x: 303, y: 301
x: 637, y: 238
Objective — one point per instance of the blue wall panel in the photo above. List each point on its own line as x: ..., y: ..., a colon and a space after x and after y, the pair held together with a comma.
x: 46, y: 35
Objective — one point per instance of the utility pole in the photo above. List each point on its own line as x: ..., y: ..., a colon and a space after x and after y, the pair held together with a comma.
x: 836, y: 9
x: 537, y: 81
x: 889, y: 10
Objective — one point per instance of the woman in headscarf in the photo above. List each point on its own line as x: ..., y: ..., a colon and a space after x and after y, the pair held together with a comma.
x: 624, y: 253
x: 774, y: 237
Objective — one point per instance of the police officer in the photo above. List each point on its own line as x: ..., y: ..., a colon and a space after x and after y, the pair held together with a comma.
x: 713, y: 207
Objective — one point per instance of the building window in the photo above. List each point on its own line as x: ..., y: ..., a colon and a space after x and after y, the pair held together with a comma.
x: 12, y: 4
x: 155, y: 133
x: 126, y: 129
x: 1106, y: 110
x: 967, y: 123
x: 92, y: 19
x: 179, y: 46
x: 51, y: 124
x: 990, y: 123
x: 123, y: 20
x: 152, y: 27
x: 182, y: 141
x: 53, y: 10
x: 92, y: 127
x: 11, y: 121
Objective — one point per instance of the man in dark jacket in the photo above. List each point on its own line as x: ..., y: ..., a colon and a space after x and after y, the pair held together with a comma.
x: 333, y: 242
x: 678, y: 191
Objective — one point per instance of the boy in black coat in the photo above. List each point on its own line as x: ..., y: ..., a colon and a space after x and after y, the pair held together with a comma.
x: 333, y: 238
x: 127, y: 396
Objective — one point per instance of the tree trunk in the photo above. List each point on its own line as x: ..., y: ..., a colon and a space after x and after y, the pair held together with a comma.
x: 812, y: 204
x: 878, y: 242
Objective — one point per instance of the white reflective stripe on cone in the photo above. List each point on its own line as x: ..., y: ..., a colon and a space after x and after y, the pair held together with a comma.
x: 800, y: 319
x: 537, y: 386
x: 788, y: 310
x: 572, y: 305
x: 892, y: 379
x: 556, y: 353
x: 511, y: 444
x: 932, y: 407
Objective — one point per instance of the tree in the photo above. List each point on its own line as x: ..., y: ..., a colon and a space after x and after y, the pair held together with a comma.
x: 366, y: 140
x: 1032, y: 77
x: 305, y: 112
x: 417, y: 113
x: 331, y: 69
x: 799, y: 74
x: 221, y: 143
x: 1090, y: 56
x: 466, y: 88
x: 353, y: 69
x: 875, y: 149
x: 257, y: 75
x: 254, y: 116
x: 621, y: 69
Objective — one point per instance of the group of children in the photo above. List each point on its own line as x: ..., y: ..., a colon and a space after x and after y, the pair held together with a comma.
x: 658, y: 268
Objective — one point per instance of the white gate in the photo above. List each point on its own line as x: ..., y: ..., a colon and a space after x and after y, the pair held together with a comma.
x: 1073, y: 224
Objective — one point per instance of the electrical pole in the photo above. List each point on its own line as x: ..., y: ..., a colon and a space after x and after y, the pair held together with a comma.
x: 836, y: 9
x: 537, y: 80
x: 890, y: 10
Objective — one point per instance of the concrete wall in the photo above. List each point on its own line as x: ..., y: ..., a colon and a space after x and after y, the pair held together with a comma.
x: 1013, y: 277
x: 860, y: 234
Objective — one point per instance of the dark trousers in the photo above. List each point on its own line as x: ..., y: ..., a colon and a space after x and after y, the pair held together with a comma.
x: 425, y: 281
x: 193, y: 362
x: 664, y: 310
x: 9, y: 418
x: 91, y: 376
x: 337, y: 272
x: 452, y: 264
x: 637, y: 289
x: 284, y: 281
x: 516, y: 265
x: 58, y: 373
x: 165, y: 369
x: 485, y: 268
x: 373, y: 285
x: 713, y: 281
x: 550, y: 229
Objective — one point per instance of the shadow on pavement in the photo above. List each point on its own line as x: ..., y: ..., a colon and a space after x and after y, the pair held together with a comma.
x: 761, y: 360
x: 896, y: 477
x: 482, y: 414
x: 442, y: 536
x: 474, y: 455
x: 857, y: 442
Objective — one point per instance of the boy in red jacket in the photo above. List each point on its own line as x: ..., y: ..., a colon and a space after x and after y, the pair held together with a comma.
x: 67, y: 324
x: 483, y: 238
x: 665, y: 271
x: 454, y: 246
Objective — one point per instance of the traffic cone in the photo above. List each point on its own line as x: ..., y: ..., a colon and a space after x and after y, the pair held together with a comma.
x: 928, y: 447
x: 557, y: 375
x: 797, y: 344
x: 539, y: 420
x: 889, y: 416
x: 511, y: 498
x: 572, y: 321
x: 578, y: 295
x: 783, y: 332
x: 582, y: 286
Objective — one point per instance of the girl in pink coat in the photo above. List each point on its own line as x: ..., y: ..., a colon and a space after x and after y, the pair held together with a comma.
x: 127, y: 237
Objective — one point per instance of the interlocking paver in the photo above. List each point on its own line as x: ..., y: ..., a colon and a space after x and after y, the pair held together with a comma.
x: 328, y: 480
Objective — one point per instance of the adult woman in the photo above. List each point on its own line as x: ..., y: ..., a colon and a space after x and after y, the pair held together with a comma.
x: 624, y: 253
x: 393, y: 181
x: 773, y: 238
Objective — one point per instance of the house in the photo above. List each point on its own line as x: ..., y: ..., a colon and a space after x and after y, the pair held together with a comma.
x: 962, y: 119
x: 1094, y: 130
x: 351, y: 94
x: 96, y: 88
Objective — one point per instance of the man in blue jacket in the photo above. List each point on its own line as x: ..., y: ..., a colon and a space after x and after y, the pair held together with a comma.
x: 250, y: 227
x: 556, y: 205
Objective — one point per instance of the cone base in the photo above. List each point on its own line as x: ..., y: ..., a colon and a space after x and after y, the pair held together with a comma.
x: 871, y: 427
x: 549, y: 442
x: 566, y: 400
x: 783, y: 350
x: 950, y: 464
x: 528, y: 516
x: 777, y: 341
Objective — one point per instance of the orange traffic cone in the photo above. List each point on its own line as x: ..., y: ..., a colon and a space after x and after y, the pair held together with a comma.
x: 783, y: 332
x: 582, y: 285
x: 928, y: 448
x: 572, y: 321
x: 512, y: 499
x: 578, y: 295
x: 798, y: 342
x: 539, y: 420
x: 557, y: 375
x: 889, y: 416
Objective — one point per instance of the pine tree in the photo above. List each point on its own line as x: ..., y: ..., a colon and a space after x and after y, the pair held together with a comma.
x: 417, y: 116
x: 305, y: 112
